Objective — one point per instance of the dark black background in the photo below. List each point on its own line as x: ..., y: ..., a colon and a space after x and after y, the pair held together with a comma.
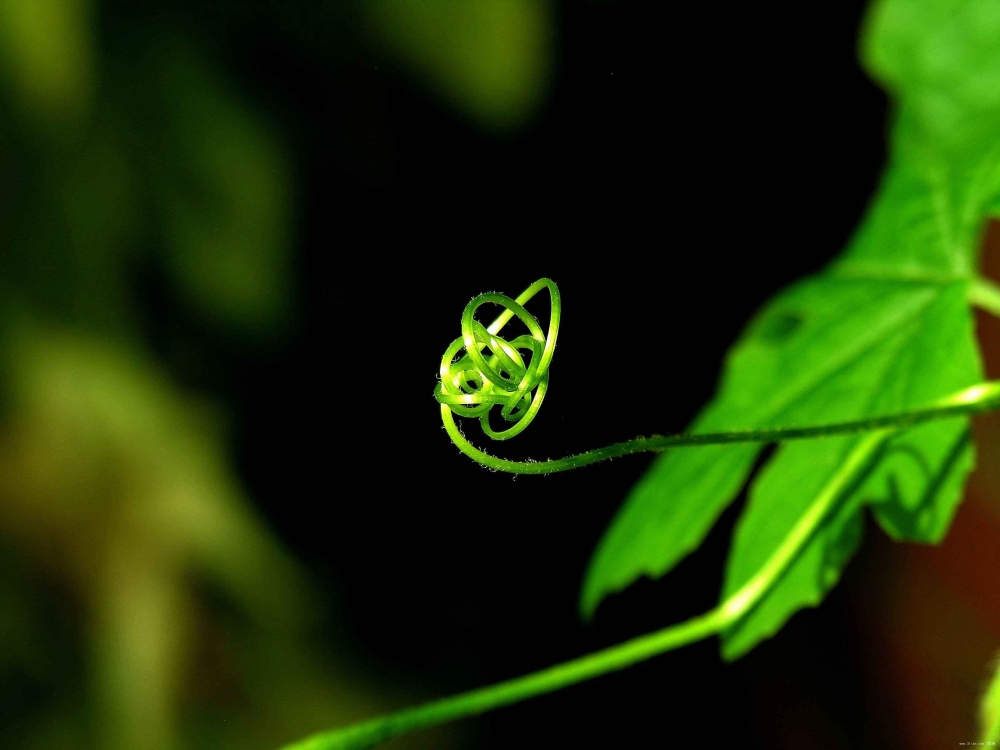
x: 691, y: 160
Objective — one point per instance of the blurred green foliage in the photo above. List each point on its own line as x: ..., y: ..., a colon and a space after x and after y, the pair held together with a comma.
x: 48, y: 53
x: 490, y: 58
x: 131, y: 150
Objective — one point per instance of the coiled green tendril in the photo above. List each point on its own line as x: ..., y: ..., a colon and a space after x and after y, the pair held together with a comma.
x: 515, y: 376
x: 511, y: 374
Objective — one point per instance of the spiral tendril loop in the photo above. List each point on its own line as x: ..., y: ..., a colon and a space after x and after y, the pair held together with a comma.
x: 481, y: 369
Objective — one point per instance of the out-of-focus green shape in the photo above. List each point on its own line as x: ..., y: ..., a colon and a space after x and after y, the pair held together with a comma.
x: 182, y: 621
x: 74, y: 213
x: 885, y: 327
x: 491, y: 59
x: 222, y: 186
x: 120, y: 484
x: 117, y: 487
x: 989, y: 709
x: 170, y: 160
x: 941, y: 62
x: 46, y: 48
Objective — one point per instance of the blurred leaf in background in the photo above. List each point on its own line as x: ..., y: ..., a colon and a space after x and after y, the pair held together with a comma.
x: 144, y: 604
x: 47, y: 52
x: 490, y: 59
x: 224, y: 205
x: 119, y: 488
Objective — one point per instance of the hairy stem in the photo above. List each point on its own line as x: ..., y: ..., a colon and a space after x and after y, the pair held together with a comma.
x: 515, y: 377
x: 978, y: 398
x: 371, y: 733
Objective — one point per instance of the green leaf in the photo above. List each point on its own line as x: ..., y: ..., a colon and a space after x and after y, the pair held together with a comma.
x: 916, y: 483
x: 649, y: 536
x: 885, y: 328
x: 940, y: 59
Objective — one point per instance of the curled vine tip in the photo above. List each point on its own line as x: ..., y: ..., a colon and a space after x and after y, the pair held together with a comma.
x: 481, y: 369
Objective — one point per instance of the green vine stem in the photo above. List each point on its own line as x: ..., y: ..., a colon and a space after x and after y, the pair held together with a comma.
x: 473, y: 383
x: 376, y: 731
x: 973, y: 400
